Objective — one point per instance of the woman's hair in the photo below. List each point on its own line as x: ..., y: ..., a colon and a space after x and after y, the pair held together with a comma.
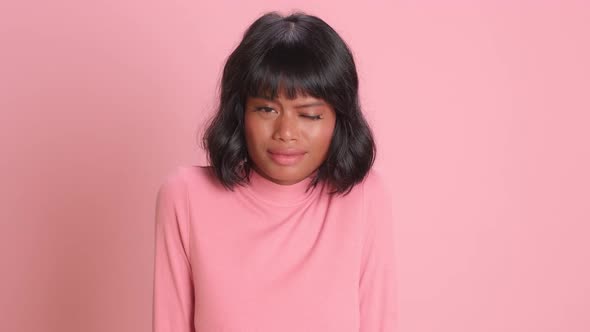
x: 304, y: 56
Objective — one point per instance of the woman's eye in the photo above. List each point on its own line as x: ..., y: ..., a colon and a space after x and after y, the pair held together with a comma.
x: 268, y: 110
x: 312, y: 117
x: 265, y: 109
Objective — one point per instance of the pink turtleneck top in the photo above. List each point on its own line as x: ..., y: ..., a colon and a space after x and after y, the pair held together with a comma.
x: 272, y: 258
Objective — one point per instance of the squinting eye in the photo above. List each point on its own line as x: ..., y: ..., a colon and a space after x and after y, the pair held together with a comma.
x: 265, y: 109
x: 312, y: 117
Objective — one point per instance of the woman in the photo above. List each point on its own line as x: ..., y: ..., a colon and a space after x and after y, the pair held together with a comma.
x: 289, y: 228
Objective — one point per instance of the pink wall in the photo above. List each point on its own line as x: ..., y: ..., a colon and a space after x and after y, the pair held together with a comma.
x: 480, y: 111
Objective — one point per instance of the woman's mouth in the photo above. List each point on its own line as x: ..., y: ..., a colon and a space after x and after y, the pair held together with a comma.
x: 286, y: 158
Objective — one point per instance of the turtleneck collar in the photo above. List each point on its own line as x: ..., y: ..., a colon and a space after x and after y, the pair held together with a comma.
x: 279, y: 194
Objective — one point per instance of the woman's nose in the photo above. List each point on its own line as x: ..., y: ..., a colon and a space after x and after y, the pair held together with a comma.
x: 286, y: 127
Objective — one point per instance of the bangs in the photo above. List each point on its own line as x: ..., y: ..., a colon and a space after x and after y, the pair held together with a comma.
x: 294, y: 70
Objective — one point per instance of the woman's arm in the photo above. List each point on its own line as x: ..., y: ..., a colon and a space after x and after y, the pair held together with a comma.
x: 173, y: 301
x: 377, y: 287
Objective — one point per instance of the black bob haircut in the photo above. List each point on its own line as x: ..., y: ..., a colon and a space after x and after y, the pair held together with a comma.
x: 304, y: 56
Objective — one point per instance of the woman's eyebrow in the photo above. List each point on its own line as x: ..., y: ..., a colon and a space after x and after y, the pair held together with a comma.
x: 265, y: 99
x: 318, y: 103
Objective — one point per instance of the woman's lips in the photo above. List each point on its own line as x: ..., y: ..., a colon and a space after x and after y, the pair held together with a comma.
x: 286, y: 158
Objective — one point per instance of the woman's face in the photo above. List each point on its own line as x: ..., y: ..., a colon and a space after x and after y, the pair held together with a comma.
x: 287, y: 140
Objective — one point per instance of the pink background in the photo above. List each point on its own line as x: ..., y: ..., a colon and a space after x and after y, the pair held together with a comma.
x: 481, y: 113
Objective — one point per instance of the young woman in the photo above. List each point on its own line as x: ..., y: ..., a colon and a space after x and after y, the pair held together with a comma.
x: 289, y: 228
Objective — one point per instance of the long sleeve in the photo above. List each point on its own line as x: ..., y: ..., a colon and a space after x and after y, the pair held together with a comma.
x: 173, y: 292
x: 377, y: 285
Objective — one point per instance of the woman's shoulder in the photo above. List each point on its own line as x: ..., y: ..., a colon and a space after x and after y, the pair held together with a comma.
x: 190, y: 177
x: 375, y: 184
x: 372, y: 185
